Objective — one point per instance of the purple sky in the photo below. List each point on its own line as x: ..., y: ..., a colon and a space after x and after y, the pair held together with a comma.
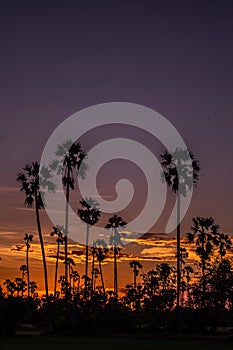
x: 58, y: 57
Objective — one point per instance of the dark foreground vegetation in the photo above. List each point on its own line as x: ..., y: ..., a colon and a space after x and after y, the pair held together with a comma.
x: 38, y: 343
x: 147, y: 309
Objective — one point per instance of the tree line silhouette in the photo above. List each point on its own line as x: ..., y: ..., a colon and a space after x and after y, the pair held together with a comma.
x: 165, y: 300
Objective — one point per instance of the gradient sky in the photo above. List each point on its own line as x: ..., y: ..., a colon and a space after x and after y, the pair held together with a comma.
x: 175, y: 57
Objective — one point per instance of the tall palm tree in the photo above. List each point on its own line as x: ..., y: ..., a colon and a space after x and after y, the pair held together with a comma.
x: 181, y: 177
x: 69, y: 157
x: 115, y: 223
x: 101, y: 252
x: 30, y: 178
x: 93, y: 252
x: 205, y: 234
x: 135, y: 265
x: 58, y: 231
x: 90, y: 214
x: 28, y: 239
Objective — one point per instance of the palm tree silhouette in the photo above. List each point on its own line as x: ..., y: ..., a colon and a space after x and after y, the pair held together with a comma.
x: 181, y: 177
x: 205, y: 234
x: 69, y: 157
x: 28, y: 239
x: 135, y: 265
x: 101, y: 252
x: 10, y: 287
x: 115, y: 223
x: 20, y: 286
x: 58, y: 231
x: 30, y: 178
x: 90, y: 214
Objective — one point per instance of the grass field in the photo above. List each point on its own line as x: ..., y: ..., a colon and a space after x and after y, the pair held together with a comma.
x: 51, y: 343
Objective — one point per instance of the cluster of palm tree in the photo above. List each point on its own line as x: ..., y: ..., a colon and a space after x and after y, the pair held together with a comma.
x: 148, y: 303
x: 19, y: 285
x: 206, y: 235
x: 206, y: 285
x: 209, y: 284
x: 180, y: 171
x: 180, y: 175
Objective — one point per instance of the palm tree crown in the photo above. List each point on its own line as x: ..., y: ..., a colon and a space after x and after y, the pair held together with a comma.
x: 69, y: 157
x: 205, y: 233
x: 178, y: 172
x: 33, y: 181
x: 115, y: 223
x: 89, y: 211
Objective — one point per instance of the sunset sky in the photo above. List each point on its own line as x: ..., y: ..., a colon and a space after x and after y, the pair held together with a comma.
x: 58, y: 57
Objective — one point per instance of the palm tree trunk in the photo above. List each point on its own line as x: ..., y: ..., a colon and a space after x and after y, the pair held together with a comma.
x: 86, y: 262
x: 178, y: 252
x: 188, y: 292
x: 101, y: 275
x: 92, y: 270
x: 73, y: 286
x: 28, y: 276
x: 115, y: 274
x: 70, y: 274
x: 203, y: 281
x: 42, y: 246
x: 56, y: 270
x: 67, y: 223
